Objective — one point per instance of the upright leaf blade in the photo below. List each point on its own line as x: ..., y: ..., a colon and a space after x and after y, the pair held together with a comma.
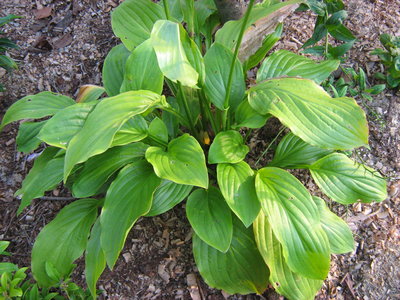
x: 142, y: 71
x: 295, y: 221
x: 27, y: 139
x: 134, y: 130
x: 182, y: 163
x: 240, y: 270
x: 104, y: 121
x: 210, y: 218
x: 114, y: 69
x: 98, y: 169
x: 246, y: 116
x: 133, y: 20
x: 338, y: 232
x: 236, y: 182
x: 311, y: 114
x: 285, y: 63
x: 36, y: 106
x: 227, y: 147
x: 293, y: 152
x: 171, y: 56
x: 285, y: 281
x: 346, y: 181
x: 63, y: 240
x: 129, y: 197
x: 217, y: 62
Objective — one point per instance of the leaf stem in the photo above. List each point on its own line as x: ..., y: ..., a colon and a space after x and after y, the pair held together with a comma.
x: 269, y: 146
x: 235, y: 54
x: 187, y: 110
x: 205, y: 102
x: 166, y: 9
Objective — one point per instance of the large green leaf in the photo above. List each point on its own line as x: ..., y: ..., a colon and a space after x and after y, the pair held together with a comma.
x: 35, y: 106
x: 142, y: 71
x: 167, y: 195
x: 311, y: 114
x: 346, y: 181
x: 27, y: 139
x: 183, y: 162
x: 98, y: 169
x: 210, y: 217
x: 129, y: 197
x: 95, y: 262
x: 236, y: 182
x: 62, y: 127
x: 246, y: 116
x: 134, y: 130
x: 285, y: 63
x: 104, y: 121
x: 133, y: 20
x: 63, y: 240
x: 295, y: 220
x: 293, y: 152
x: 89, y: 92
x: 45, y: 175
x: 171, y: 56
x: 227, y: 147
x: 217, y: 62
x: 114, y: 69
x: 287, y: 283
x: 338, y: 232
x: 158, y: 131
x: 240, y: 270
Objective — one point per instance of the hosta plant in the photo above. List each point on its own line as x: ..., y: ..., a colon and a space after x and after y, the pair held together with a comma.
x: 126, y: 151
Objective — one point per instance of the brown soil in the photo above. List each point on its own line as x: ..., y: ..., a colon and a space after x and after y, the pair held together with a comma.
x: 66, y: 50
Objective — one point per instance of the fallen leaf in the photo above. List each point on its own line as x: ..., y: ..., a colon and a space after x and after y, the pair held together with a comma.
x: 42, y: 12
x: 62, y: 42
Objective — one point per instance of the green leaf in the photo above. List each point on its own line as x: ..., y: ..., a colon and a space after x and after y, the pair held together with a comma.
x: 7, y: 267
x: 295, y: 221
x: 45, y: 175
x: 182, y: 163
x: 167, y: 195
x: 129, y: 197
x: 171, y: 56
x: 246, y: 116
x: 341, y: 33
x: 292, y: 285
x: 98, y: 169
x: 227, y: 147
x: 7, y: 63
x: 346, y: 181
x: 285, y: 63
x: 104, y: 121
x: 240, y: 270
x: 63, y: 240
x: 338, y: 232
x: 133, y: 20
x: 142, y: 71
x: 65, y: 124
x: 267, y: 44
x: 311, y: 113
x: 134, y: 130
x: 236, y: 182
x: 95, y: 261
x: 210, y: 217
x: 114, y: 69
x: 217, y: 62
x: 27, y: 139
x: 36, y: 106
x: 294, y: 153
x: 158, y: 130
x: 3, y: 246
x: 6, y: 19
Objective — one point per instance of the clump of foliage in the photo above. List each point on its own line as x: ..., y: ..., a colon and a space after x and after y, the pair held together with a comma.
x: 6, y: 62
x: 137, y: 153
x: 329, y: 23
x: 390, y: 57
x: 14, y: 285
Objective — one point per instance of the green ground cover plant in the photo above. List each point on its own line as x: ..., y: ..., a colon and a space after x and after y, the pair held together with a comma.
x: 138, y: 153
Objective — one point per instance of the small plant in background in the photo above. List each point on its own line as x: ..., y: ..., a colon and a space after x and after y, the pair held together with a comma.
x: 14, y: 284
x: 330, y: 17
x: 6, y: 62
x: 390, y: 57
x: 137, y: 153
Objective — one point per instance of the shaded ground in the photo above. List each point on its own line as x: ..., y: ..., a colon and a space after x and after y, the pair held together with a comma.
x: 65, y: 50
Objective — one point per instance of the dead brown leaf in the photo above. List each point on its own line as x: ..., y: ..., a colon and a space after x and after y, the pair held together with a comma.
x: 62, y: 42
x: 42, y: 12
